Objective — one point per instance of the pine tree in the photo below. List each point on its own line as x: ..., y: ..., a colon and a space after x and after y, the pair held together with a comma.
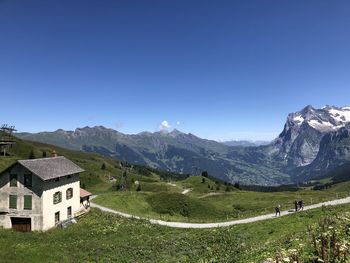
x: 31, y: 155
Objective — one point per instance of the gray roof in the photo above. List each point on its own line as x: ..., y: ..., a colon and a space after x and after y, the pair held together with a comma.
x: 50, y: 168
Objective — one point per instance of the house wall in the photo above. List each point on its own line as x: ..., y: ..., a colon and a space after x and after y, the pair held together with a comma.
x: 49, y: 189
x: 35, y: 191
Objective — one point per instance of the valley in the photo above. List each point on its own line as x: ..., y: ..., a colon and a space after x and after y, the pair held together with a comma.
x: 313, y: 142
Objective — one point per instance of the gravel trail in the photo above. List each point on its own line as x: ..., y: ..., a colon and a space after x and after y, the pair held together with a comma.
x: 221, y: 224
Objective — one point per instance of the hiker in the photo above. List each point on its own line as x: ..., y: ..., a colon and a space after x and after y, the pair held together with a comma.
x: 278, y: 210
x: 296, y: 204
x: 300, y: 205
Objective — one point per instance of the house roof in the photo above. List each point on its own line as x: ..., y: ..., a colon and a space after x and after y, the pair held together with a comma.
x: 50, y: 168
x: 84, y: 193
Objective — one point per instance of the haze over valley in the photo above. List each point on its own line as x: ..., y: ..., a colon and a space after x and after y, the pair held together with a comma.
x: 311, y: 144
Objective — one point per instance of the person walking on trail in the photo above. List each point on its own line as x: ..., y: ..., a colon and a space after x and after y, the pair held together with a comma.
x: 300, y: 204
x: 296, y: 204
x: 278, y: 210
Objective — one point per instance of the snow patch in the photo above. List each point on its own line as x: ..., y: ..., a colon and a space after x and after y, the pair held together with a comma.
x: 299, y: 119
x: 340, y: 115
x: 321, y: 124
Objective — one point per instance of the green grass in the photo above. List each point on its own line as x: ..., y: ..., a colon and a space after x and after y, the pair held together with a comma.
x: 340, y: 187
x: 174, y: 206
x: 103, y: 237
x: 199, y: 185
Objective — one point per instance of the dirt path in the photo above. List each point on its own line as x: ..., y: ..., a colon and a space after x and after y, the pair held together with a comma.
x: 221, y: 224
x: 209, y: 194
x: 186, y: 191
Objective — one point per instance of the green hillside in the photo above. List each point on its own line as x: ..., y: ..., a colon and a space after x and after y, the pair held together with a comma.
x: 152, y: 193
x: 162, y: 195
x: 101, y: 173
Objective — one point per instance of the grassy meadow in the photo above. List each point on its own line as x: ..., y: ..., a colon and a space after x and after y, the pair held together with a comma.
x: 103, y: 237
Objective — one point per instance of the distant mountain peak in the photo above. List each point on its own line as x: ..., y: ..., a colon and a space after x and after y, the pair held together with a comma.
x: 300, y: 139
x: 328, y: 118
x: 307, y: 109
x: 175, y: 132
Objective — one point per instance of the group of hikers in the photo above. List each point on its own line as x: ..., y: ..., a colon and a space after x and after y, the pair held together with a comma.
x: 298, y: 205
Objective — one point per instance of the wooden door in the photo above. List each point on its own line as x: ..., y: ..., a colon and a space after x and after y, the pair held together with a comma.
x: 21, y: 224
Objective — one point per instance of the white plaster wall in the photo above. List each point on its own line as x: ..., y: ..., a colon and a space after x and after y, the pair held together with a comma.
x: 49, y: 208
x: 35, y: 191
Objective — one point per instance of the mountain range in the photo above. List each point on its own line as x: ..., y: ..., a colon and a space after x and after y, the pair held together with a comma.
x: 312, y: 143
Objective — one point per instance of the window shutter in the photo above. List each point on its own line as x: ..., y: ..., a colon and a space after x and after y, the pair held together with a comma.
x: 69, y: 193
x: 13, y: 201
x: 13, y: 180
x: 28, y: 202
x: 57, y: 197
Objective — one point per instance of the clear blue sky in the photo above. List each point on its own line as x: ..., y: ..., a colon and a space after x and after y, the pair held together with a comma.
x: 222, y: 69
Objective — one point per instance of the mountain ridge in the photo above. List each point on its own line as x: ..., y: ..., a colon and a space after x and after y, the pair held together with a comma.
x: 296, y: 154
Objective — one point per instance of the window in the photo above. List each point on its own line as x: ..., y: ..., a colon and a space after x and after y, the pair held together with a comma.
x: 13, y: 180
x: 69, y: 212
x: 13, y: 202
x: 28, y: 180
x: 57, y: 217
x: 69, y: 193
x: 27, y: 202
x: 57, y: 197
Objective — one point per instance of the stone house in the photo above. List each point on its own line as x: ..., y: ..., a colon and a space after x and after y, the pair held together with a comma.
x: 37, y: 194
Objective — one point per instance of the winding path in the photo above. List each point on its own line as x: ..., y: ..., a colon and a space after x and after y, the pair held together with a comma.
x: 220, y: 224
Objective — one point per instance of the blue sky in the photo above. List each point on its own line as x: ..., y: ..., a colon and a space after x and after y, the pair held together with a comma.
x: 218, y: 69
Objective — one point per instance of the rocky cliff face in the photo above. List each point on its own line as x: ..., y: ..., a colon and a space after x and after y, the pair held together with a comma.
x: 334, y: 151
x: 299, y: 143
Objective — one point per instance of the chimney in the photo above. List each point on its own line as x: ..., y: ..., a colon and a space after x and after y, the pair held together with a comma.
x: 54, y: 154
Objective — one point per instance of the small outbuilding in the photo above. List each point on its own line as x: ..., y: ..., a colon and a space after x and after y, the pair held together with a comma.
x: 85, y: 198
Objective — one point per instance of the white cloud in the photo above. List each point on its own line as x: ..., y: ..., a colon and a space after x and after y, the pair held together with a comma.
x: 164, y: 125
x: 178, y: 123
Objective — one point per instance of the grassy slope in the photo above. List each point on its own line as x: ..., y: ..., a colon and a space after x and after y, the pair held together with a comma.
x: 94, y: 179
x: 160, y: 199
x: 222, y: 207
x: 104, y: 237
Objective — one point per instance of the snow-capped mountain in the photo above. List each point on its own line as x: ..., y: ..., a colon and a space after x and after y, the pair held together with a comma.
x: 299, y: 142
x: 329, y: 118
